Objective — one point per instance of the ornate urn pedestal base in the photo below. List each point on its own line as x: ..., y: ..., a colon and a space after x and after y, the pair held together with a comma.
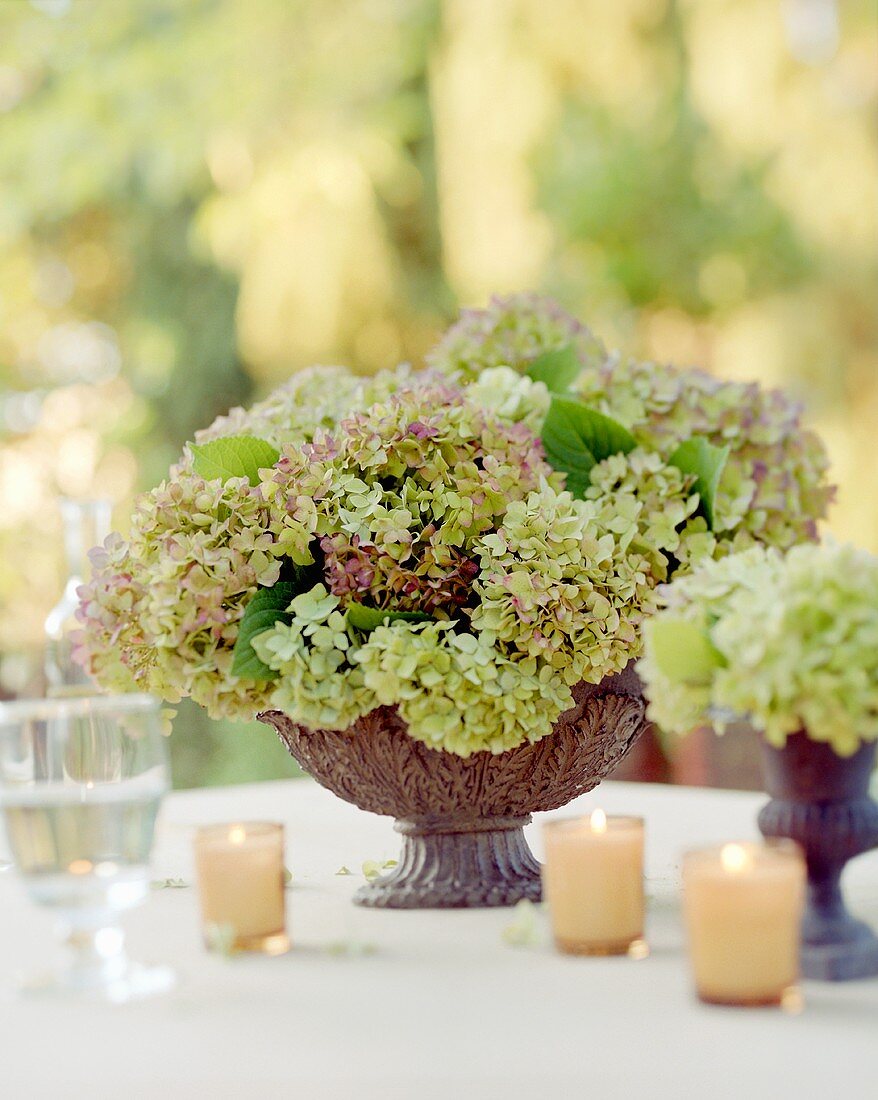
x: 486, y: 864
x: 821, y: 801
x: 462, y: 819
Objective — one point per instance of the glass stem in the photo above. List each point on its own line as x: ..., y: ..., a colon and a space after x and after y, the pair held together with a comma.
x: 96, y: 954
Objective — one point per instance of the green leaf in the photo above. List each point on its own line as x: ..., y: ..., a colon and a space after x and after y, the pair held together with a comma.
x: 268, y: 606
x: 557, y: 369
x: 683, y: 651
x: 365, y: 619
x: 699, y: 456
x: 304, y: 577
x: 235, y: 456
x: 576, y: 437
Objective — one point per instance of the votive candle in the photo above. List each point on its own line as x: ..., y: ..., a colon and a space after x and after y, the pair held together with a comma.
x: 743, y: 906
x: 593, y: 882
x: 240, y: 869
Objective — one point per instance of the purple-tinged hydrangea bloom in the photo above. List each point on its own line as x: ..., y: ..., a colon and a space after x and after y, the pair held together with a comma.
x: 774, y: 487
x: 511, y: 332
x: 161, y: 611
x: 403, y: 490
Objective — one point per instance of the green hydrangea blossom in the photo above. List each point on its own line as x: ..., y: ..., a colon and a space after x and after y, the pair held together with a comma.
x: 317, y: 684
x: 790, y: 642
x: 554, y: 588
x: 511, y: 396
x: 314, y: 399
x: 650, y: 508
x: 456, y: 691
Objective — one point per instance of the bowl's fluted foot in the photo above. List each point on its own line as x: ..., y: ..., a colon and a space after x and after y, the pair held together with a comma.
x: 841, y: 958
x: 488, y: 866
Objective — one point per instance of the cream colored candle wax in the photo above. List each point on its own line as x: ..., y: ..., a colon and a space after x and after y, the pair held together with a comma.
x: 240, y: 869
x: 743, y: 906
x: 593, y: 880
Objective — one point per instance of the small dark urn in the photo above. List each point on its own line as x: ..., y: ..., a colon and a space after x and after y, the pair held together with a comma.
x: 462, y: 820
x: 821, y: 801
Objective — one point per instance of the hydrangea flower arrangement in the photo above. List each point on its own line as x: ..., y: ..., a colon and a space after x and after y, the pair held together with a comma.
x: 465, y: 543
x: 791, y: 642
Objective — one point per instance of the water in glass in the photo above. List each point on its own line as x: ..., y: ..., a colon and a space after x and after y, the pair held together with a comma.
x: 81, y: 781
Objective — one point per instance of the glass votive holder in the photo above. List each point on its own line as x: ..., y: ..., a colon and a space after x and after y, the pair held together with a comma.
x: 240, y: 871
x: 743, y: 905
x: 593, y: 882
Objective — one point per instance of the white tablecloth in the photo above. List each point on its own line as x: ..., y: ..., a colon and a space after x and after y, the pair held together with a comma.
x: 443, y: 1007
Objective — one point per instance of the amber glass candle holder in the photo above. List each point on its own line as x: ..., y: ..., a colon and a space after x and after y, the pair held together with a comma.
x: 593, y: 882
x: 743, y: 906
x: 240, y: 870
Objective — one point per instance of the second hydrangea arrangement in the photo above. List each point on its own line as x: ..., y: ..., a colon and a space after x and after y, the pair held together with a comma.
x: 788, y: 642
x: 466, y: 543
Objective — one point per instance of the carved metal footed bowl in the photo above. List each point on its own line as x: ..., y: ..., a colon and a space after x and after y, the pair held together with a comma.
x: 462, y: 819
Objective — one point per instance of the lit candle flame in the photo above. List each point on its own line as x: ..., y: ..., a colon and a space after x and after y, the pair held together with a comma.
x: 598, y: 821
x: 735, y: 858
x: 237, y: 834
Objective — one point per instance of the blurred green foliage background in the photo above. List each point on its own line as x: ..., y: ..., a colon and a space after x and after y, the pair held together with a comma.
x: 198, y: 197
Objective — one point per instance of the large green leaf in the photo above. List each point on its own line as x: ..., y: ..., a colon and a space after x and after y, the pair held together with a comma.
x: 235, y: 456
x: 575, y: 437
x: 268, y: 606
x: 557, y: 369
x: 698, y: 456
x: 683, y: 651
x: 365, y: 619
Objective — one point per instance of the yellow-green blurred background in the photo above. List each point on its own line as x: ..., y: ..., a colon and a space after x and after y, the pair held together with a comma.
x: 198, y: 197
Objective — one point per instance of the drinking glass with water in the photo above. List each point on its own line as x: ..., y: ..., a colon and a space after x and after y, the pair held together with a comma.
x: 81, y: 782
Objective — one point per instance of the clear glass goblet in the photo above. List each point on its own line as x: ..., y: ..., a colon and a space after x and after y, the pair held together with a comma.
x: 81, y: 782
